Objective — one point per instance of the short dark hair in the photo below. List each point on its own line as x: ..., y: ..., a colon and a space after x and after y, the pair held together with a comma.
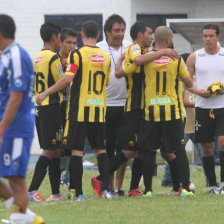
x: 212, y: 27
x: 90, y: 29
x: 115, y: 18
x: 67, y: 32
x: 7, y: 26
x: 48, y: 29
x: 136, y: 28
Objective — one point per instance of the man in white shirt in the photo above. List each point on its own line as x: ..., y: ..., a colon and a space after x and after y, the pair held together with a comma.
x: 207, y: 65
x: 114, y: 45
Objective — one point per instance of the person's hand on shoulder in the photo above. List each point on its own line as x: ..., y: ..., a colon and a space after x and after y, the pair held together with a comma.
x: 171, y: 53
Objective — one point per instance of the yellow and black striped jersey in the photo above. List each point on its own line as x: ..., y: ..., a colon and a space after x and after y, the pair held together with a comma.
x: 48, y: 71
x: 91, y: 67
x: 134, y: 78
x: 163, y: 90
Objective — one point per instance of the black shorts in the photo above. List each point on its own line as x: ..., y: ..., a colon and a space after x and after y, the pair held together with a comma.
x: 153, y: 134
x: 49, y: 126
x: 76, y: 133
x: 208, y: 123
x: 131, y: 128
x: 114, y: 130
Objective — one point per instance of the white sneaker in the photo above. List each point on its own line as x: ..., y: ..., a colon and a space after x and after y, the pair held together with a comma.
x: 85, y: 162
x: 213, y: 190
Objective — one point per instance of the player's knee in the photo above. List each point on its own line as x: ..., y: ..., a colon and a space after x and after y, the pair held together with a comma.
x: 129, y: 154
x: 207, y: 149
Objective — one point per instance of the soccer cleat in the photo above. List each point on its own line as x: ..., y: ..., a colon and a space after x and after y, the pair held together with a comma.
x: 191, y: 188
x: 56, y: 197
x: 108, y: 195
x: 148, y: 194
x: 119, y: 192
x: 213, y: 190
x: 185, y: 193
x: 174, y: 193
x: 221, y: 190
x: 37, y: 220
x: 34, y: 196
x: 134, y: 193
x: 97, y: 186
x: 79, y: 198
x: 71, y: 193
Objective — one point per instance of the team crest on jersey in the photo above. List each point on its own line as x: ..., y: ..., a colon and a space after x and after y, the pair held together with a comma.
x: 97, y: 58
x: 162, y: 61
x: 38, y: 59
x: 60, y: 69
x: 18, y: 82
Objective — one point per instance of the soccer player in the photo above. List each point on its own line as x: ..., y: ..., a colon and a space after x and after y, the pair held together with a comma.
x: 162, y: 123
x: 68, y: 38
x: 114, y: 44
x: 48, y: 70
x: 16, y: 123
x: 88, y: 71
x: 207, y: 65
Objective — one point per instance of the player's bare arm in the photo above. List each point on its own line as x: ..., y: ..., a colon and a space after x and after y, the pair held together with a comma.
x: 12, y: 108
x: 191, y: 69
x: 146, y: 58
x: 119, y: 73
x: 58, y: 86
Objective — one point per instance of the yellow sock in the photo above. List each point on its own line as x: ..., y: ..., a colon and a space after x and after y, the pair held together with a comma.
x: 17, y: 209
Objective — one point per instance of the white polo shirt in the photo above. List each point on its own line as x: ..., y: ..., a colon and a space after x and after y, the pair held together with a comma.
x: 116, y: 89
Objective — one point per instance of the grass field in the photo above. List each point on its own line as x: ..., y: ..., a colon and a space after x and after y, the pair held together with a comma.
x: 159, y: 209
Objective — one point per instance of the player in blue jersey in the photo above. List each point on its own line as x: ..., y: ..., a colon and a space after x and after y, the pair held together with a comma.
x: 16, y: 122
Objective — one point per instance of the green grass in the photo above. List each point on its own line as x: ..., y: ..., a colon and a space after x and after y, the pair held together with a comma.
x: 159, y: 209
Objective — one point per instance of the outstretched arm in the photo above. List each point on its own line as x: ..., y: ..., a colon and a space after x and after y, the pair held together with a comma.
x: 60, y: 85
x: 146, y: 58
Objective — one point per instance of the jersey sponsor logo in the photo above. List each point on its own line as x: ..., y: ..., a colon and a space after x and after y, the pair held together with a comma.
x: 38, y: 60
x: 162, y: 61
x: 98, y: 102
x: 72, y: 68
x: 201, y: 55
x: 166, y: 100
x: 221, y: 54
x: 97, y: 58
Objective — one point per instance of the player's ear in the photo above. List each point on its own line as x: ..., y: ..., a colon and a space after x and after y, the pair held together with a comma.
x: 82, y: 35
x: 98, y: 36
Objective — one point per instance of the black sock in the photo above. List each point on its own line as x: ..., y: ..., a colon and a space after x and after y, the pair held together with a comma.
x: 39, y: 173
x: 147, y: 167
x: 115, y: 162
x: 76, y: 172
x: 136, y: 173
x: 55, y: 175
x: 183, y: 168
x: 103, y: 166
x: 221, y: 165
x: 174, y: 174
x: 209, y: 167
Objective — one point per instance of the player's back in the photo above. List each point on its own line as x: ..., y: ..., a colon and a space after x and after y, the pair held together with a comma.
x: 48, y: 71
x: 88, y: 89
x: 163, y: 95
